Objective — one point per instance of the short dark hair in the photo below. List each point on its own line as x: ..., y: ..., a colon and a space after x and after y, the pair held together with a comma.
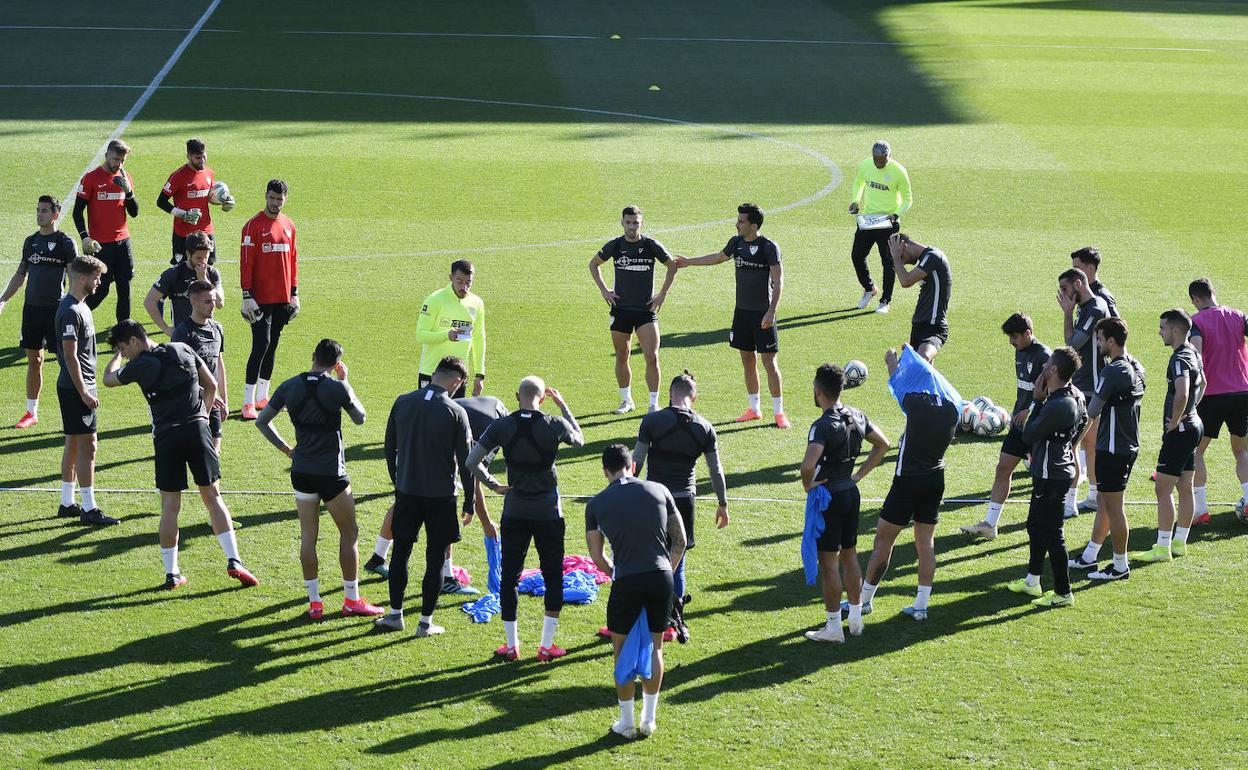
x: 1113, y: 329
x: 684, y: 384
x: 1178, y: 317
x: 116, y: 145
x: 462, y: 266
x: 830, y: 379
x: 753, y: 214
x: 125, y: 331
x: 452, y: 365
x: 278, y: 186
x: 1088, y: 255
x: 51, y: 200
x: 1074, y: 274
x: 1201, y: 288
x: 85, y: 264
x: 199, y: 287
x: 616, y: 458
x: 1019, y: 323
x: 195, y: 145
x: 1067, y: 361
x: 328, y: 352
x: 633, y: 210
x: 198, y: 241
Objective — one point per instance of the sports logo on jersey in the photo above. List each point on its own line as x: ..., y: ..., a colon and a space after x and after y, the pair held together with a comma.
x: 247, y: 240
x: 69, y: 330
x: 753, y: 249
x: 1029, y: 363
x: 51, y: 245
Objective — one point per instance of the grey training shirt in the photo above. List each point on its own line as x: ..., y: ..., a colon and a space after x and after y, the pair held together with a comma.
x: 754, y: 260
x: 633, y: 515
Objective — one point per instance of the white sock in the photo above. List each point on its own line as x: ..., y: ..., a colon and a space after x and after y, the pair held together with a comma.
x: 170, y: 557
x: 1091, y: 551
x: 868, y: 592
x: 855, y: 611
x: 1070, y: 498
x: 448, y: 569
x: 1202, y: 502
x: 921, y: 597
x: 382, y: 548
x: 67, y: 493
x: 994, y: 513
x: 1180, y: 534
x: 32, y: 406
x: 777, y: 404
x: 1120, y: 562
x: 249, y: 393
x: 626, y: 394
x: 1092, y: 492
x: 834, y: 618
x: 314, y: 589
x: 229, y: 544
x: 548, y: 630
x: 351, y: 589
x: 626, y: 713
x: 1163, y: 538
x: 262, y: 389
x: 649, y: 706
x: 426, y: 620
x: 654, y: 398
x: 1032, y: 580
x: 513, y: 638
x: 755, y: 403
x: 395, y: 612
x: 88, y: 498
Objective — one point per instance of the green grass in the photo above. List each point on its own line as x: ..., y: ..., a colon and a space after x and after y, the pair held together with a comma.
x: 1029, y: 129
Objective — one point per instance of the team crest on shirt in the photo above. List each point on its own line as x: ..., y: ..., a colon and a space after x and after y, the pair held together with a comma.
x: 753, y: 249
x: 1029, y: 367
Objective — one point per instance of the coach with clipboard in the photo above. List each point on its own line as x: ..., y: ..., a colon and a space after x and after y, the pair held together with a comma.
x: 881, y: 194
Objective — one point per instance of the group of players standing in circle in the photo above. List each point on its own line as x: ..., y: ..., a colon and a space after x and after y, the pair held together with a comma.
x: 1076, y: 410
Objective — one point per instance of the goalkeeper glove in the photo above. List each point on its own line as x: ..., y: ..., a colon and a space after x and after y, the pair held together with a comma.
x: 90, y: 245
x: 294, y: 306
x: 189, y: 216
x: 121, y: 181
x: 250, y: 308
x: 227, y: 203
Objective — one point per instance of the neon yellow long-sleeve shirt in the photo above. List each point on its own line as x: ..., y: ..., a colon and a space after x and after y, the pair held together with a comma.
x: 882, y: 190
x: 441, y: 312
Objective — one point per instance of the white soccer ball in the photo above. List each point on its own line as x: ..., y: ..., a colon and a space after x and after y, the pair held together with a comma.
x: 1004, y: 415
x: 855, y: 373
x: 983, y: 402
x: 218, y: 192
x: 989, y: 423
x: 968, y: 416
x: 1241, y: 515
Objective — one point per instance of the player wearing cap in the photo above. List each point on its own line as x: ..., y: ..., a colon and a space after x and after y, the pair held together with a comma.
x: 881, y: 195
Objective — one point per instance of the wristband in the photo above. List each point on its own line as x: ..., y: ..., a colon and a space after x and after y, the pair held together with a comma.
x: 246, y: 293
x: 294, y: 291
x: 83, y: 234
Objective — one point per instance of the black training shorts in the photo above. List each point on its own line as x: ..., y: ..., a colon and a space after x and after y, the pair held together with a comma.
x: 747, y: 332
x: 39, y: 327
x: 629, y: 594
x: 928, y: 333
x: 840, y: 521
x: 1113, y: 471
x: 1013, y: 444
x: 628, y: 321
x: 323, y: 486
x: 918, y: 497
x: 1178, y: 451
x: 437, y: 515
x: 184, y: 446
x: 77, y: 418
x: 685, y: 506
x: 1229, y: 408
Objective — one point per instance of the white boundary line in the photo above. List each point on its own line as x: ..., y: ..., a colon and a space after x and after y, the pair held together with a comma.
x: 146, y: 95
x: 835, y: 177
x: 784, y: 500
x: 532, y: 36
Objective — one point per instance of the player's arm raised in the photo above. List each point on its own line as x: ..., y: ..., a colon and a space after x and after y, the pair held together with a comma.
x: 708, y: 259
x: 111, y: 378
x: 905, y: 276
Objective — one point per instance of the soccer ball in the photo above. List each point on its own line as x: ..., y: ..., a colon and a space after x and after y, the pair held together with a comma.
x: 1241, y: 515
x: 989, y: 423
x: 983, y: 402
x: 1004, y: 414
x: 968, y: 416
x: 855, y: 373
x: 218, y: 193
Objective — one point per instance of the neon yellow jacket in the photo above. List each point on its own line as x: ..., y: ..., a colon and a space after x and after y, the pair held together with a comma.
x: 442, y: 311
x: 882, y: 190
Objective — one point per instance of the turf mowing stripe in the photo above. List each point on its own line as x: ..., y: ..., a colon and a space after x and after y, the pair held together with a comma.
x: 787, y: 500
x: 147, y: 92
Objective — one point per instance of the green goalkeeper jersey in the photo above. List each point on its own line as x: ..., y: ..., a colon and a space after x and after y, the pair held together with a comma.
x: 881, y: 190
x: 443, y: 311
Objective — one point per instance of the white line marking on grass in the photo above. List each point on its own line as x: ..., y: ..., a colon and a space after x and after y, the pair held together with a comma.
x: 147, y: 93
x: 834, y: 172
x: 59, y: 28
x: 524, y: 36
x: 358, y: 494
